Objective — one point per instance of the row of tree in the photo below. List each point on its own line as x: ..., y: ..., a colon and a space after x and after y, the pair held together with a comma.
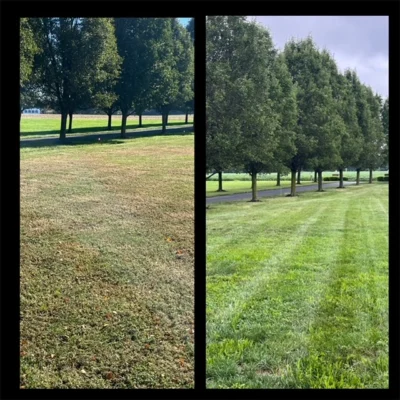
x: 126, y: 64
x: 270, y: 111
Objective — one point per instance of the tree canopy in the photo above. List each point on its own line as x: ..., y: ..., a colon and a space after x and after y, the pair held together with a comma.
x: 126, y: 64
x: 268, y: 110
x: 77, y: 54
x: 28, y: 49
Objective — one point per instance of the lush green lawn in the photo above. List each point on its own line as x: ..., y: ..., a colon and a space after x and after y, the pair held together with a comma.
x: 49, y: 125
x: 107, y: 264
x: 297, y: 291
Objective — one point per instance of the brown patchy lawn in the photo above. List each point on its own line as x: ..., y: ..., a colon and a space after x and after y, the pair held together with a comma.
x: 107, y: 265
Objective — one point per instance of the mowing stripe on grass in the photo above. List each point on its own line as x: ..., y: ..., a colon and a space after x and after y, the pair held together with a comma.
x: 276, y: 296
x: 349, y: 337
x: 303, y: 326
x: 231, y: 313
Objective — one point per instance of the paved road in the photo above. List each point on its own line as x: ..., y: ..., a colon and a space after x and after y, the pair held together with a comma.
x: 271, y: 192
x: 80, y: 138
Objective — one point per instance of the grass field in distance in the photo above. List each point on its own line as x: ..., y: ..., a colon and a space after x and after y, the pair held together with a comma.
x: 241, y: 182
x: 45, y: 125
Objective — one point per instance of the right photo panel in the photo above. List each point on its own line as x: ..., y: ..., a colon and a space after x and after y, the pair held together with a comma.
x: 297, y: 178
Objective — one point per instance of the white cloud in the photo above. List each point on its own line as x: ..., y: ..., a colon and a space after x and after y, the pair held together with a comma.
x: 356, y: 42
x: 373, y: 71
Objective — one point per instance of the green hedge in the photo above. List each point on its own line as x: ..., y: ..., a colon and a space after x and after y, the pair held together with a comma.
x: 383, y: 178
x: 334, y: 178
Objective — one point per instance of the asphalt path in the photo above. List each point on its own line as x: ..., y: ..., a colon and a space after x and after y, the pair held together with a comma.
x: 272, y: 192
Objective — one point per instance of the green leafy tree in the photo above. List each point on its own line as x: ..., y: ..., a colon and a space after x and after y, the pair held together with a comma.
x: 303, y: 62
x: 175, y: 73
x: 166, y: 85
x: 253, y: 75
x: 375, y: 140
x: 189, y: 104
x: 345, y: 114
x: 141, y: 106
x: 189, y: 108
x: 369, y: 121
x: 327, y: 122
x: 107, y: 101
x: 363, y: 117
x: 351, y: 136
x: 142, y: 43
x: 29, y: 96
x: 222, y: 122
x: 104, y: 94
x: 250, y: 100
x: 28, y: 49
x: 185, y: 66
x: 190, y: 28
x: 78, y: 53
x: 283, y: 95
x: 385, y: 125
x: 317, y: 133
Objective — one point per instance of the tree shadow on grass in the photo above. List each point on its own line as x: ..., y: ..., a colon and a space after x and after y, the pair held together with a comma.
x: 104, y: 138
x: 99, y: 129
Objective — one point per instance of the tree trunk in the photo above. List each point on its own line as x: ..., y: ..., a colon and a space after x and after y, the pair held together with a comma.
x: 70, y: 122
x: 293, y: 183
x: 140, y: 120
x: 315, y: 176
x: 278, y: 179
x: 109, y: 121
x: 63, y: 129
x: 163, y: 123
x: 358, y: 177
x: 123, y: 125
x: 320, y: 181
x: 298, y: 176
x: 20, y: 115
x: 186, y: 117
x: 370, y: 175
x: 220, y: 182
x: 254, y: 186
x: 341, y: 185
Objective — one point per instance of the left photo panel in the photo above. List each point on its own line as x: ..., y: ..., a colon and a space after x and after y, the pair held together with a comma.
x: 106, y: 203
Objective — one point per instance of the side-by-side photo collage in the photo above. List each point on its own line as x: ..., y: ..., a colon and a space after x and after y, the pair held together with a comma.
x: 287, y: 209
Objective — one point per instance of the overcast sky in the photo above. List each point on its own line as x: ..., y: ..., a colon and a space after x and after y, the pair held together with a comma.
x: 357, y: 42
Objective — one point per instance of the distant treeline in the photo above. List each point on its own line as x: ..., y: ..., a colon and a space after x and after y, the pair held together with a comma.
x: 126, y: 65
x: 271, y: 111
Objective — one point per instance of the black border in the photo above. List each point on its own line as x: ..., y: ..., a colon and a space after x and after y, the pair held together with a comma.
x: 9, y: 267
x: 200, y: 205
